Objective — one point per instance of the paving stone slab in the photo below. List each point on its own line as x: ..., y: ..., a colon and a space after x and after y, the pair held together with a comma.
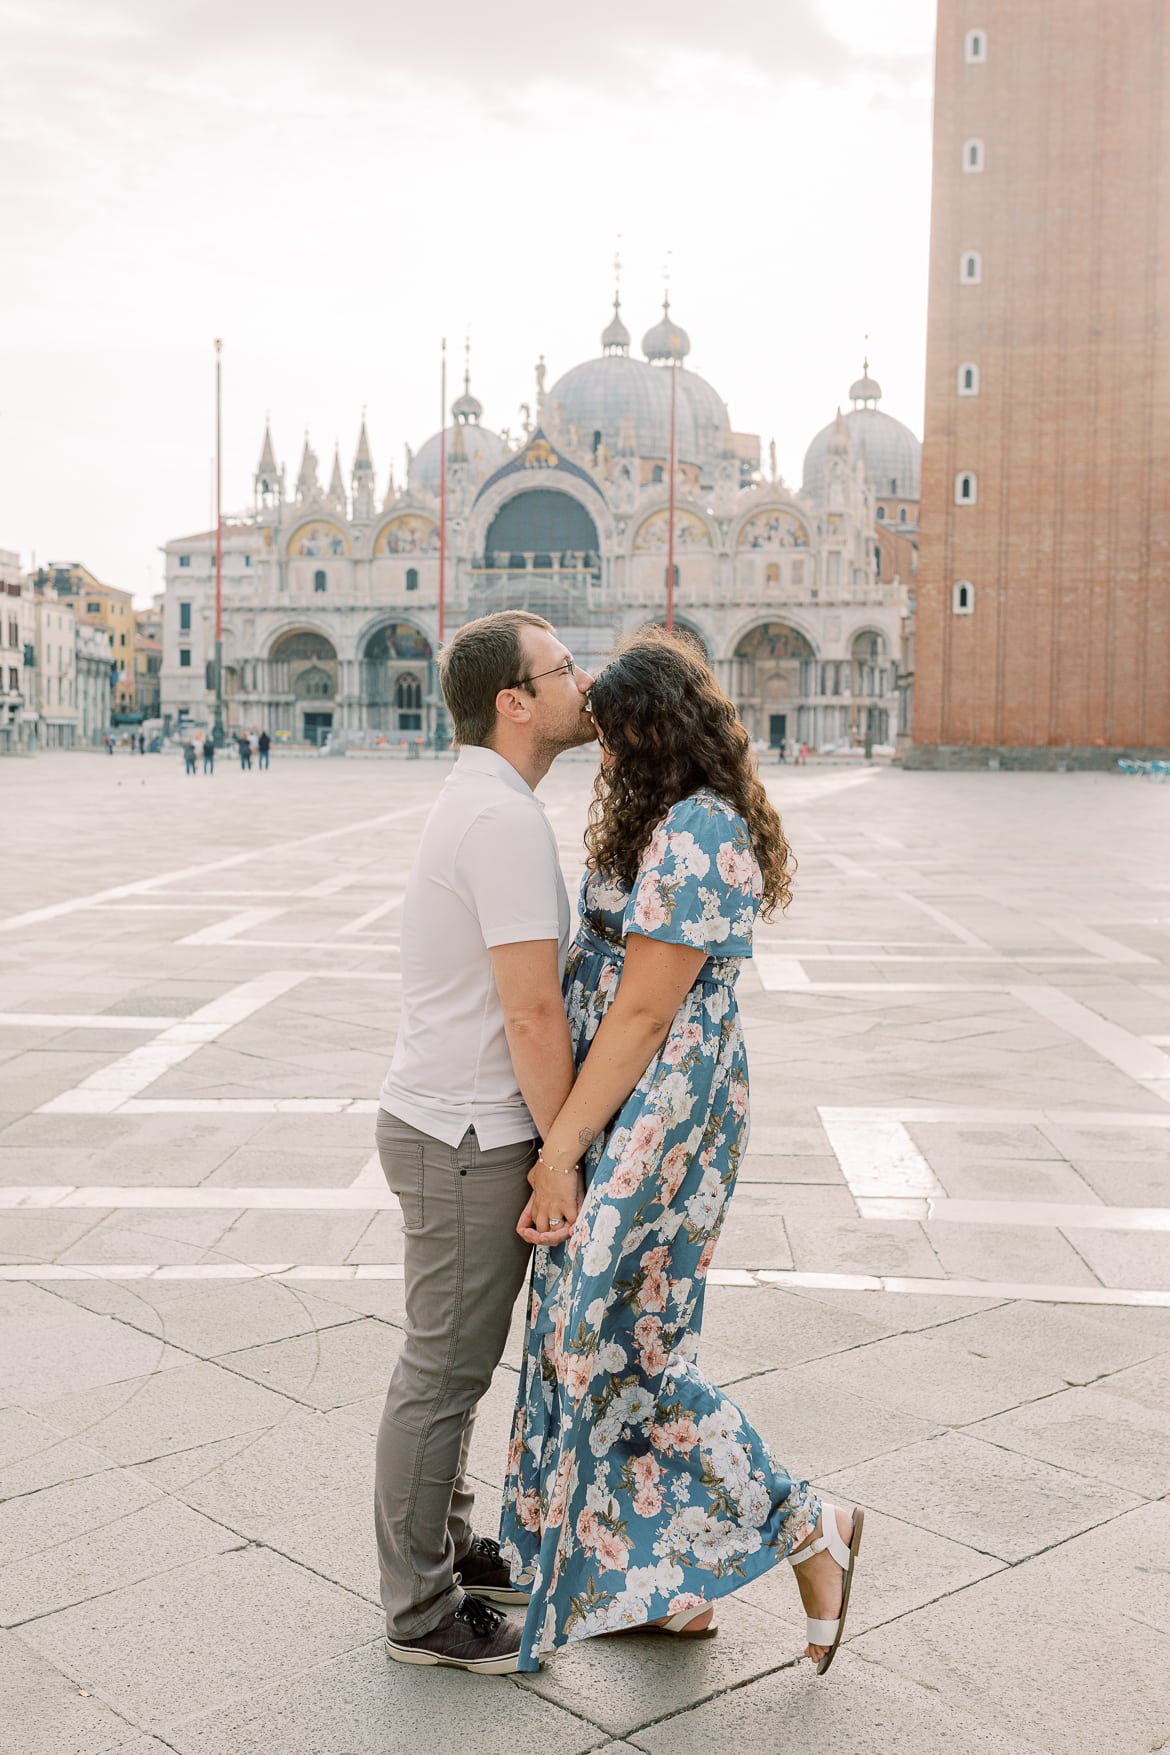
x: 860, y: 1246
x: 292, y: 1236
x: 628, y: 1679
x: 1081, y: 1604
x: 61, y: 1350
x: 307, y: 1465
x: 327, y: 1368
x: 1131, y: 1259
x: 812, y: 1434
x: 747, y: 1330
x: 1077, y: 1345
x: 38, y: 1521
x: 931, y: 1376
x: 792, y: 1170
x: 33, y: 1455
x: 993, y: 1500
x: 118, y: 1552
x: 1093, y: 1433
x: 44, y: 1712
x: 364, y: 1704
x: 145, y: 1417
x: 203, y: 1635
x: 1020, y: 1254
x: 859, y: 1708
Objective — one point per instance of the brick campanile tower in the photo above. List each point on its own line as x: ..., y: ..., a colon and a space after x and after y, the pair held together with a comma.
x: 1044, y: 577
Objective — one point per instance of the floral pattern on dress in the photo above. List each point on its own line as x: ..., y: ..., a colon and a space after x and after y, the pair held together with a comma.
x: 635, y: 1488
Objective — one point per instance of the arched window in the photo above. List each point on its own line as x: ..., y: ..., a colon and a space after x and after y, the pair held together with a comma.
x: 966, y: 488
x: 973, y: 155
x: 963, y: 597
x: 881, y: 512
x: 657, y: 474
x: 412, y: 578
x: 971, y: 268
x: 968, y: 379
x: 901, y: 514
x: 319, y: 579
x: 772, y: 573
x: 408, y: 701
x: 975, y: 46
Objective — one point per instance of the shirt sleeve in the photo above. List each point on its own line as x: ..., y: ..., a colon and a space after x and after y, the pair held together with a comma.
x: 698, y: 883
x: 509, y: 874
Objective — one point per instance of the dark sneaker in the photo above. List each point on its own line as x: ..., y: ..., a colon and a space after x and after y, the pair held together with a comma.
x: 474, y: 1637
x: 483, y: 1572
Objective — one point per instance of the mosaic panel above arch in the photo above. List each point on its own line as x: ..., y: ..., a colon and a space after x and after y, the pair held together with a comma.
x: 774, y: 527
x: 654, y: 534
x: 318, y: 541
x: 774, y: 640
x: 395, y: 641
x: 409, y: 534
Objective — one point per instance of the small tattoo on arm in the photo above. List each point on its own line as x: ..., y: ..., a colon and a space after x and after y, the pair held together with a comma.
x: 586, y: 1136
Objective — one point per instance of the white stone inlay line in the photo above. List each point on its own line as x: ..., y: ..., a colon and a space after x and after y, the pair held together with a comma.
x: 83, y: 1021
x: 1061, y: 1215
x: 1132, y: 1054
x: 780, y: 974
x: 999, y: 1291
x: 968, y: 1115
x: 224, y: 931
x: 145, y: 886
x: 111, y: 1087
x: 878, y: 1158
x: 1110, y: 950
x: 389, y: 906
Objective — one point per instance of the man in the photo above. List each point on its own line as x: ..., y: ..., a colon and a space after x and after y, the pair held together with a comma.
x: 264, y: 744
x: 483, y: 1064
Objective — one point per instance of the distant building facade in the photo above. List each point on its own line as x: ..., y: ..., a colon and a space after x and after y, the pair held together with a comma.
x: 18, y: 635
x: 1043, y: 601
x: 101, y: 606
x: 55, y: 673
x: 94, y: 654
x: 148, y: 662
x: 331, y: 592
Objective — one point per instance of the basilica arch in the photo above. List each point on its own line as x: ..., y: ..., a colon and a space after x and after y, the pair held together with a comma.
x: 299, y: 685
x: 774, y: 682
x: 394, y: 663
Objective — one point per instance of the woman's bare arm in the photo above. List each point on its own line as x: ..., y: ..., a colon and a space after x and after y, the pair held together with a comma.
x: 655, y: 980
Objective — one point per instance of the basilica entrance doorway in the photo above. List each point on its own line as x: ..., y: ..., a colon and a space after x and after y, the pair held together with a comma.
x: 777, y: 730
x: 317, y: 727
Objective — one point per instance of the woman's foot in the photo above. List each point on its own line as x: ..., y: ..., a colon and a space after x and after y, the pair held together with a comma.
x: 820, y: 1580
x: 694, y: 1626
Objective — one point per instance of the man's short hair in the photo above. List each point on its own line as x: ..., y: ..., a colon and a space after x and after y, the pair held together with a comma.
x: 483, y: 658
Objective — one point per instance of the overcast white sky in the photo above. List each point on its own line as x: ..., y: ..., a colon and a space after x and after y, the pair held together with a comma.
x: 333, y: 187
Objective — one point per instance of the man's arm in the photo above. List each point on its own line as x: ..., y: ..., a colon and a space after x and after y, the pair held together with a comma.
x: 529, y: 987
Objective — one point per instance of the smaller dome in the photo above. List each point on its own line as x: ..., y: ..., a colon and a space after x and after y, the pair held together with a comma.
x: 467, y: 408
x: 483, y: 450
x: 865, y: 389
x: 615, y: 337
x: 666, y: 341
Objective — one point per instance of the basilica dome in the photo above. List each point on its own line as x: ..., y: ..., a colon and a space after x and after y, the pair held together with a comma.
x: 598, y: 395
x: 889, y: 451
x: 484, y: 450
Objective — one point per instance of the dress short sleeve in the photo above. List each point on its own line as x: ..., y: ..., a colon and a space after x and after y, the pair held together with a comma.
x: 698, y: 882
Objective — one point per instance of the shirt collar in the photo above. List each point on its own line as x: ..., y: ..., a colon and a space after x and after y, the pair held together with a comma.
x: 477, y: 759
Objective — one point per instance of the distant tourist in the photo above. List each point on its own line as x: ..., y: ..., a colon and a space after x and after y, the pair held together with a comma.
x: 263, y: 745
x: 209, y: 755
x: 782, y: 749
x: 245, y: 750
x: 637, y: 1493
x: 141, y: 743
x: 253, y: 745
x: 189, y: 756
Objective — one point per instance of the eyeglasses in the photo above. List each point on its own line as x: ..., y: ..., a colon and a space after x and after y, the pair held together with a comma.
x: 565, y: 668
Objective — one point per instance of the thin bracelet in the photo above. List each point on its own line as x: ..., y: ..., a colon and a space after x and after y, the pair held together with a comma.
x: 541, y: 1159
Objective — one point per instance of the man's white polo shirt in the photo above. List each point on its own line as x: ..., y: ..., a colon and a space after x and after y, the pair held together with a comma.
x: 487, y: 874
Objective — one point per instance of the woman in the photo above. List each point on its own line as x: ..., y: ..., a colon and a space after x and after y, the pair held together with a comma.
x: 636, y: 1492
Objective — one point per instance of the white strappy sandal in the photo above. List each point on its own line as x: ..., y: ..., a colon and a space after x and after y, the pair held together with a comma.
x: 829, y: 1632
x: 678, y: 1626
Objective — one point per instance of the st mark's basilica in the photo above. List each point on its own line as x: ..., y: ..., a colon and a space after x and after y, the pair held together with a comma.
x: 799, y: 598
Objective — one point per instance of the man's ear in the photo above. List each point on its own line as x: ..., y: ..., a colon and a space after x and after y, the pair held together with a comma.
x: 512, y: 705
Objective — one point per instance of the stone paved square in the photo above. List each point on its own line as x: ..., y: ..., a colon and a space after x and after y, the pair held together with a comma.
x: 944, y: 1287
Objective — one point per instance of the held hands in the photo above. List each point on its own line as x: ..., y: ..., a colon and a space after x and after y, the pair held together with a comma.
x: 553, y: 1205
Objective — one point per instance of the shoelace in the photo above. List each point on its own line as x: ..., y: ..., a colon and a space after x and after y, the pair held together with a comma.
x: 483, y: 1620
x: 490, y: 1550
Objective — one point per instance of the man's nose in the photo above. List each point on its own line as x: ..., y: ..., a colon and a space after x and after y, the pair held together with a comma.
x: 584, y: 680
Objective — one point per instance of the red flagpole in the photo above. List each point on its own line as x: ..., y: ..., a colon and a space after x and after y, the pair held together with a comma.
x: 217, y: 727
x: 673, y: 466
x: 443, y: 497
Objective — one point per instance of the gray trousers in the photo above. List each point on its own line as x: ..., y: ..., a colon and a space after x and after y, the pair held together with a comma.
x: 464, y: 1267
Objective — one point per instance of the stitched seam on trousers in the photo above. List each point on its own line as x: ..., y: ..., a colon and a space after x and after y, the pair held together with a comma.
x: 447, y: 1368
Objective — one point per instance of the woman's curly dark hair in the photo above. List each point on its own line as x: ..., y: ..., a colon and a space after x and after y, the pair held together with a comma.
x: 669, y: 729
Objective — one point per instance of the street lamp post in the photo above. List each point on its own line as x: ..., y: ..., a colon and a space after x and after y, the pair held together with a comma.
x: 217, y: 731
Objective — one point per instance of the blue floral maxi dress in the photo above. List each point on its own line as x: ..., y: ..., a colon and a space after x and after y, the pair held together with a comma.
x: 634, y: 1487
